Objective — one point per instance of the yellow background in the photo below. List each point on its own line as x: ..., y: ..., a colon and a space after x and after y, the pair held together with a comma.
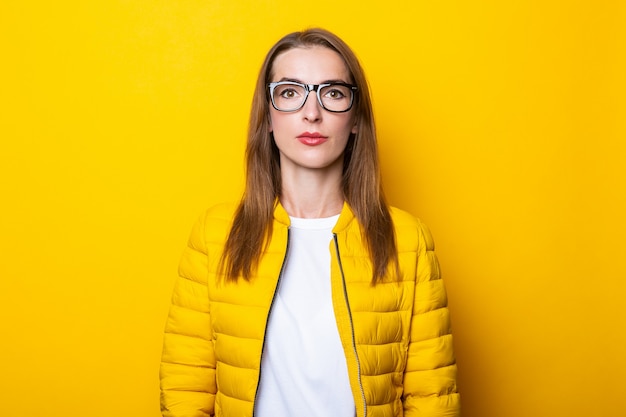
x: 502, y: 125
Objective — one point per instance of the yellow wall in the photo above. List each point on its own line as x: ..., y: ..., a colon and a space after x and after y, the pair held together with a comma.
x: 502, y: 125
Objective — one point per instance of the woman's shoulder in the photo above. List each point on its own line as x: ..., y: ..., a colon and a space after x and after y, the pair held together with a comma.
x: 410, y: 230
x: 213, y: 224
x: 220, y: 212
x: 403, y: 218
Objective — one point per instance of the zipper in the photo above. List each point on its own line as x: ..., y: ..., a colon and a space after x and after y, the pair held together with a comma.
x: 269, y: 313
x: 345, y: 295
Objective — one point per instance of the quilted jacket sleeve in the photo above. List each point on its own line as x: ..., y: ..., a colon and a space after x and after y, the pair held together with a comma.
x: 188, y: 363
x: 430, y: 375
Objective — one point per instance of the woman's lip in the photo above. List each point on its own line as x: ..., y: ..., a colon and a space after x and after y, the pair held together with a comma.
x: 313, y: 135
x: 312, y: 140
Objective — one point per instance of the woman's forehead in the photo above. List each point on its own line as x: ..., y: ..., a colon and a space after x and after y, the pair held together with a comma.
x: 310, y: 64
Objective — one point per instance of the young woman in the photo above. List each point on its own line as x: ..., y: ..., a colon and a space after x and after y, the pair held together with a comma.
x: 311, y: 297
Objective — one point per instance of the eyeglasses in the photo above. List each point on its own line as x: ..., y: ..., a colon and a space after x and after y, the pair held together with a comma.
x: 289, y: 96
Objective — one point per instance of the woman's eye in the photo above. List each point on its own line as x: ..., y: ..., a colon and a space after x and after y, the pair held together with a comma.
x: 288, y: 93
x: 335, y: 94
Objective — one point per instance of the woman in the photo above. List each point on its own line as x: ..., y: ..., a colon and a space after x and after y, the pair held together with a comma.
x: 311, y: 297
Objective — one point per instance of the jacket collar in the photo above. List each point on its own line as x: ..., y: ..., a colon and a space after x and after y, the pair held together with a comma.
x: 345, y: 217
x: 280, y: 214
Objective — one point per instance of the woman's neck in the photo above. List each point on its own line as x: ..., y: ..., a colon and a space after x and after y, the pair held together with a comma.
x: 309, y: 195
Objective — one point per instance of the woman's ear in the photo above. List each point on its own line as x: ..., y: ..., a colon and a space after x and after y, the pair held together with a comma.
x: 355, y: 128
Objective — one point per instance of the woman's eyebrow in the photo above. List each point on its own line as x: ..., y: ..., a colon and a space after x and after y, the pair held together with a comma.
x: 295, y: 80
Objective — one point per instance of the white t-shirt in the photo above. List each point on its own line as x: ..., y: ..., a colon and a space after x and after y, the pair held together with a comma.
x: 303, y: 369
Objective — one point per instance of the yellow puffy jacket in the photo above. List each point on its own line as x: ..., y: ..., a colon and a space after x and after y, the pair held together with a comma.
x: 395, y: 335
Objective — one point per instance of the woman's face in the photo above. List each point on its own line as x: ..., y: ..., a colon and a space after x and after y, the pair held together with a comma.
x: 311, y: 138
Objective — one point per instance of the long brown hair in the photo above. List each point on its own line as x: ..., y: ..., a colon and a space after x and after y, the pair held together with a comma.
x: 361, y: 182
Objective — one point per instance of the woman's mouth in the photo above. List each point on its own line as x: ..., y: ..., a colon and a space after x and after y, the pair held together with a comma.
x: 312, y: 138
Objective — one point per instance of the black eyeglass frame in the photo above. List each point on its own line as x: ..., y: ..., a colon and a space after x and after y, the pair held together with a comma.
x: 309, y: 88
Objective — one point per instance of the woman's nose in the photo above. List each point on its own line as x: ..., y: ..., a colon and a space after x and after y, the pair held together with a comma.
x: 312, y: 108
